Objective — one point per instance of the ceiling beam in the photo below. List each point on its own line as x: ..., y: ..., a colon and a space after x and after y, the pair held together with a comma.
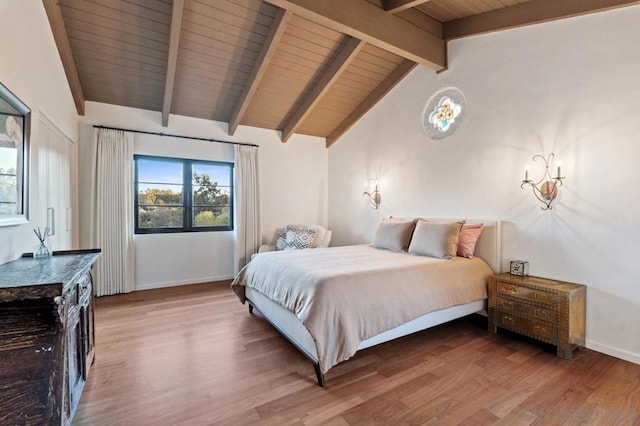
x: 394, y: 6
x: 420, y: 20
x: 527, y: 13
x: 367, y: 22
x: 54, y: 14
x: 259, y: 68
x: 172, y: 60
x: 378, y: 93
x: 338, y: 65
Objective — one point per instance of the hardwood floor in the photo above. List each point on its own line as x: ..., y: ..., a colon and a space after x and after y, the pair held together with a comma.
x: 193, y: 355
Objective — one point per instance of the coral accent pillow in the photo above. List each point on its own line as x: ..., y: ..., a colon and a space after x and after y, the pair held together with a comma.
x: 468, y: 238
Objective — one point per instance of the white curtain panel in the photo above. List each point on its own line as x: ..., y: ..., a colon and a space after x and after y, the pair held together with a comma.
x: 247, y: 209
x: 113, y: 212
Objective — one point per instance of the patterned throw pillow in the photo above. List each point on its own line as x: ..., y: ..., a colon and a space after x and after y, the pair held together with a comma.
x: 301, y: 228
x: 297, y: 240
x: 281, y: 238
x: 299, y: 237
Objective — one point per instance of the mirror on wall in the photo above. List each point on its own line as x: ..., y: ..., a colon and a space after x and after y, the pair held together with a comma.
x: 14, y: 158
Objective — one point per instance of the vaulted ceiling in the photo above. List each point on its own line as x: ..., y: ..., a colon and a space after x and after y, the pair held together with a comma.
x: 299, y: 66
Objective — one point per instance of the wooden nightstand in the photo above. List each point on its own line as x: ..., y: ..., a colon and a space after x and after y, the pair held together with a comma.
x: 547, y: 310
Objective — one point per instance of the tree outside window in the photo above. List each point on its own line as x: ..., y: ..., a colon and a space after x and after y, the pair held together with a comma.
x: 182, y: 195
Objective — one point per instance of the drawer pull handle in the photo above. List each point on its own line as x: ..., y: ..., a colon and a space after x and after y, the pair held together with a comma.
x: 540, y: 313
x: 540, y: 330
x: 541, y: 296
x: 60, y: 302
x: 507, y: 320
x: 510, y: 289
x: 504, y: 303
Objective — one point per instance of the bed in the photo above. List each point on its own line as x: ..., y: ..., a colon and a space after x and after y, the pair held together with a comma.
x: 332, y: 302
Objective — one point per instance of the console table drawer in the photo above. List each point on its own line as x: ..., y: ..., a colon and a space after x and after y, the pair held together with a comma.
x: 533, y: 311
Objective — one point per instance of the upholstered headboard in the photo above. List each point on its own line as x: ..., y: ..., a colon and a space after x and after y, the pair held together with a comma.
x: 488, y: 247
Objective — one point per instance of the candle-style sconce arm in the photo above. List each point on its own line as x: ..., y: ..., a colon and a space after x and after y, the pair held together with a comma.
x: 372, y: 193
x: 545, y: 189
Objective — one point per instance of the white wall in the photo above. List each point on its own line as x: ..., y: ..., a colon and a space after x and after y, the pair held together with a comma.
x: 293, y: 189
x: 570, y: 87
x: 31, y: 68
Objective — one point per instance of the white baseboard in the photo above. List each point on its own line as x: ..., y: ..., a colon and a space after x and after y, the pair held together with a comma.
x: 150, y: 286
x: 615, y: 352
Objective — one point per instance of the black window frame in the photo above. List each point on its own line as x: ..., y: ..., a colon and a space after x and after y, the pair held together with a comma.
x: 187, y: 194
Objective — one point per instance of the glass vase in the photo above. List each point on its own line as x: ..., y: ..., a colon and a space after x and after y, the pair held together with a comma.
x: 42, y: 250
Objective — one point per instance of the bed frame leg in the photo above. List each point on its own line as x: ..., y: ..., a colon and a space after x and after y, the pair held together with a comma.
x: 316, y: 365
x: 319, y: 375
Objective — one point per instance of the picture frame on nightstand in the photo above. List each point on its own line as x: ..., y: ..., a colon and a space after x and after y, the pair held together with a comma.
x: 519, y: 268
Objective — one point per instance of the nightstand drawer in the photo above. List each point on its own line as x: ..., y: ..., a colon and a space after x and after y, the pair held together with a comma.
x: 537, y: 330
x: 527, y: 293
x: 532, y: 311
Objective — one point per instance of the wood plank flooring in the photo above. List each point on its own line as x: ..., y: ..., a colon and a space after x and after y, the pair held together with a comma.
x: 193, y: 355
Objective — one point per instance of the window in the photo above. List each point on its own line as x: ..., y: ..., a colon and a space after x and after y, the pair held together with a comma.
x: 443, y: 113
x: 15, y: 118
x: 8, y: 186
x: 181, y: 195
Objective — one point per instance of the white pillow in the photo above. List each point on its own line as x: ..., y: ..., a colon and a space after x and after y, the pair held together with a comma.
x: 327, y: 240
x: 393, y: 234
x: 435, y: 239
x: 319, y: 236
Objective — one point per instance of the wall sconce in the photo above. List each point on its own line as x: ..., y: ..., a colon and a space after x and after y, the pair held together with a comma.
x: 548, y: 191
x: 371, y: 191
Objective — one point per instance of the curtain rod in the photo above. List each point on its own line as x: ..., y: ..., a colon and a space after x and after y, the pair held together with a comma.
x: 175, y: 136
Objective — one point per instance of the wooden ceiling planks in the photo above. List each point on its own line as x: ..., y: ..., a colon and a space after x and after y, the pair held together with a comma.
x: 369, y: 23
x: 111, y: 42
x: 366, y: 72
x: 338, y: 65
x: 300, y: 69
x: 280, y: 22
x: 292, y: 72
x: 372, y: 98
x: 220, y: 43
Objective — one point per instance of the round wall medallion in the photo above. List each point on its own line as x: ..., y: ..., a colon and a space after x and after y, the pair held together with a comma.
x: 443, y: 113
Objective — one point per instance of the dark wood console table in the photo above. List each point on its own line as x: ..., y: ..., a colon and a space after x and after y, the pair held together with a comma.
x: 46, y: 336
